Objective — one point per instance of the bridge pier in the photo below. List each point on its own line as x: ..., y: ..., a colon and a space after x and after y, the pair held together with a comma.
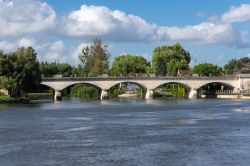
x: 149, y: 94
x: 57, y: 95
x: 193, y: 94
x: 104, y: 94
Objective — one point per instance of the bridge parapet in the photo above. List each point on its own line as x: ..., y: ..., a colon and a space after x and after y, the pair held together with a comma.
x: 138, y: 78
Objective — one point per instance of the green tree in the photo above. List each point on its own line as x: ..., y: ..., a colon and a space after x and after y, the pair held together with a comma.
x: 128, y: 64
x: 20, y: 70
x: 78, y: 71
x: 207, y: 69
x: 168, y: 59
x: 232, y: 67
x: 95, y: 58
x: 84, y: 91
x: 235, y: 66
x: 244, y: 65
x: 50, y: 69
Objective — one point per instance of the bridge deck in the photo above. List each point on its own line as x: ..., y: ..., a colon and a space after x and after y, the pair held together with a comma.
x: 135, y: 78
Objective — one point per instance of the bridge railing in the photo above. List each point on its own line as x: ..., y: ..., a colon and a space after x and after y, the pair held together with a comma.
x: 218, y: 92
x: 138, y: 78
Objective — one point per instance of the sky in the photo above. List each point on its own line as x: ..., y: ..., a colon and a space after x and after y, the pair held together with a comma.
x: 212, y: 31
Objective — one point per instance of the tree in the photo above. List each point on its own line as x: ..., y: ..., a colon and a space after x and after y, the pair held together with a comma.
x: 95, y: 58
x: 20, y: 71
x: 207, y: 69
x: 232, y: 67
x: 50, y: 69
x: 128, y: 64
x: 168, y: 59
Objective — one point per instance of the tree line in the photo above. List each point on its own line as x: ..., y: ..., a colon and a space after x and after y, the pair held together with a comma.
x: 20, y: 70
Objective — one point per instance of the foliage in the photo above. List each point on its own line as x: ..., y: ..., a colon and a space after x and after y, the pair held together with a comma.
x: 95, y: 58
x: 207, y: 69
x: 237, y: 66
x: 84, y: 91
x: 78, y: 71
x: 115, y: 91
x: 170, y: 90
x: 232, y: 67
x: 19, y: 71
x: 168, y: 59
x: 128, y: 64
x: 50, y: 69
x: 140, y: 93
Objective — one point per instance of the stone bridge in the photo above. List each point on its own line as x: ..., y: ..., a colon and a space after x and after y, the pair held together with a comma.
x: 148, y: 84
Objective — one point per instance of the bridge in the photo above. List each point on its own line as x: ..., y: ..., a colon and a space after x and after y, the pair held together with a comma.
x: 148, y: 84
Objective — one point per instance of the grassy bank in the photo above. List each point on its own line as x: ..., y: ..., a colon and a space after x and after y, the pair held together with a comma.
x: 8, y: 99
x: 35, y: 96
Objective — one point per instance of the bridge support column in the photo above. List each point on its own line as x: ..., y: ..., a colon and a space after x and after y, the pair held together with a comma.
x: 57, y: 95
x: 149, y: 94
x: 236, y: 90
x: 193, y: 94
x: 104, y: 94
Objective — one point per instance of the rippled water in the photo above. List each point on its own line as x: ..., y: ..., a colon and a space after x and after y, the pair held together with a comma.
x: 126, y: 132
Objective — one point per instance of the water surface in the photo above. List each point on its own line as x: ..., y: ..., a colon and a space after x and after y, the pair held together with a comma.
x: 126, y: 132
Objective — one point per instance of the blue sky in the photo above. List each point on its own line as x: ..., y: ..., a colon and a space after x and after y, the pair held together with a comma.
x: 211, y: 31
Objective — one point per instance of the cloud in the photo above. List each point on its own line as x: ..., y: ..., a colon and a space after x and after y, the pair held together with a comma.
x: 23, y: 21
x: 100, y: 21
x: 201, y: 14
x: 78, y: 50
x: 237, y: 14
x: 55, y: 52
x: 204, y: 33
x: 115, y: 25
x: 22, y: 17
x: 26, y: 42
x: 6, y: 45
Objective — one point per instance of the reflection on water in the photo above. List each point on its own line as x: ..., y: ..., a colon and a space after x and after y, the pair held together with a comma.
x: 126, y: 132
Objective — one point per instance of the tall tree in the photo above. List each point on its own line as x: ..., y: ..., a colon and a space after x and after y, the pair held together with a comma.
x: 232, y: 67
x: 20, y: 71
x: 235, y: 66
x: 127, y: 64
x: 95, y: 58
x: 168, y: 59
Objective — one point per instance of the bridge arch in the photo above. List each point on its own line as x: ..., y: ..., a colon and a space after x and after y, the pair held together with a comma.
x: 141, y: 86
x: 227, y: 84
x: 187, y: 87
x: 131, y: 82
x: 62, y: 85
x: 172, y: 89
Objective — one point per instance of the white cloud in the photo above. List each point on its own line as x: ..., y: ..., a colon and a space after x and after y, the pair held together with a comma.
x: 204, y: 33
x: 201, y: 14
x: 6, y: 46
x: 21, y: 20
x: 26, y: 42
x: 78, y: 50
x: 100, y: 21
x: 237, y: 14
x: 115, y: 25
x: 57, y: 46
x: 55, y: 52
x: 21, y: 17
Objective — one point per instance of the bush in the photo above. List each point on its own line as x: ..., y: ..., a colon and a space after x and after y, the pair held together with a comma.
x: 115, y: 91
x: 84, y: 91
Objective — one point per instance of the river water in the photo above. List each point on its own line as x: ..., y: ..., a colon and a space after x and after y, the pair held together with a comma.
x: 126, y: 132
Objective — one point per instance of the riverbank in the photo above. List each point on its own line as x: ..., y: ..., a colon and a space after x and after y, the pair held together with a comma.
x: 8, y: 99
x: 236, y: 96
x: 127, y: 95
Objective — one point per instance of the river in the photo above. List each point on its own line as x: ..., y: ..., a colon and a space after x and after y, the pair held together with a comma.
x: 126, y: 132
